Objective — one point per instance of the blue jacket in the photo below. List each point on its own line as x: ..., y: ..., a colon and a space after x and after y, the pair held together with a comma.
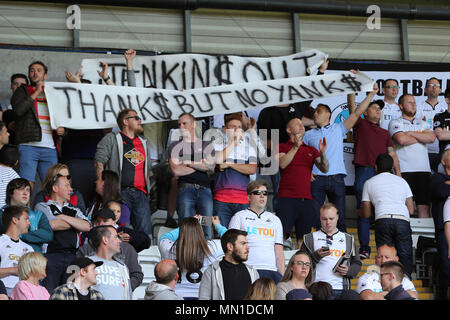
x: 40, y: 231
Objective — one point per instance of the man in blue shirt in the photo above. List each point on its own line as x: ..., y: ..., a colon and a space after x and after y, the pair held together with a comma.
x: 331, y: 184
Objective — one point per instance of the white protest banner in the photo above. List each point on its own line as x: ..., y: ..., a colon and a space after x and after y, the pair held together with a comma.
x: 86, y: 106
x: 189, y: 71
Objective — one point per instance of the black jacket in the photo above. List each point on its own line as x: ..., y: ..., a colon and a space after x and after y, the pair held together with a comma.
x: 28, y: 128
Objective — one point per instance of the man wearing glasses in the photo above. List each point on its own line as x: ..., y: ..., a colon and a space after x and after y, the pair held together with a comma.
x: 391, y: 109
x: 296, y: 159
x: 426, y: 111
x: 128, y: 154
x: 264, y: 233
x: 391, y: 277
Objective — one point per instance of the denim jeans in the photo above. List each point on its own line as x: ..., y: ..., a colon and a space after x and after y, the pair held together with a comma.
x: 334, y: 188
x: 35, y: 158
x: 225, y: 211
x: 396, y: 232
x: 139, y: 205
x: 362, y: 174
x: 195, y: 199
x: 57, y: 264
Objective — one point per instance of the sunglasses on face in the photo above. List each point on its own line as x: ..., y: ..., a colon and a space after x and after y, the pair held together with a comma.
x: 259, y: 192
x: 137, y: 118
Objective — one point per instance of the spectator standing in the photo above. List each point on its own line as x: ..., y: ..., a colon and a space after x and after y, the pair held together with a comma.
x: 166, y: 275
x: 190, y: 160
x: 37, y: 141
x: 299, y: 274
x: 113, y: 279
x: 392, y: 198
x: 9, y: 157
x: 40, y: 232
x: 127, y: 154
x: 31, y: 270
x: 427, y: 110
x: 370, y: 141
x: 369, y: 286
x: 236, y: 160
x: 410, y: 136
x: 331, y: 184
x: 295, y: 203
x: 67, y: 222
x: 264, y: 233
x: 333, y: 251
x: 15, y: 220
x: 81, y: 282
x: 440, y: 191
x: 229, y: 278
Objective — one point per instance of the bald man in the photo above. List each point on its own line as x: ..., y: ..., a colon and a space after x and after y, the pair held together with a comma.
x: 166, y: 274
x: 296, y: 160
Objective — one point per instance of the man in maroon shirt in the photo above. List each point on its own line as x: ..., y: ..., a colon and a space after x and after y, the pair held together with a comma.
x: 296, y: 160
x: 370, y: 141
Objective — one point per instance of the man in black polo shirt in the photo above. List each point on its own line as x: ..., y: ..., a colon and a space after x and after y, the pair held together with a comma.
x: 190, y: 160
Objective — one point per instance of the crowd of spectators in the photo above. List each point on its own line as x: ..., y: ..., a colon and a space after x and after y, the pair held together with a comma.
x: 76, y: 205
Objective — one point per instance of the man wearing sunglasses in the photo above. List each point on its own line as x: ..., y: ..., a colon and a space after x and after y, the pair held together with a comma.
x: 128, y: 154
x: 391, y: 109
x: 264, y: 233
x: 426, y: 111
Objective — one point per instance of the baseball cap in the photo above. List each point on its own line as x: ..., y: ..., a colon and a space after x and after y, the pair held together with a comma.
x: 298, y: 294
x: 83, y: 262
x: 104, y: 213
x: 379, y: 102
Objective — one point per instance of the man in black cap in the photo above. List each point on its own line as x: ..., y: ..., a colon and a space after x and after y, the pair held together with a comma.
x: 79, y: 285
x: 127, y: 252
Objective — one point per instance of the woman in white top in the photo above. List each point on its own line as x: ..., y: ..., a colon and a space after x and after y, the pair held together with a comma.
x: 298, y: 275
x: 193, y: 254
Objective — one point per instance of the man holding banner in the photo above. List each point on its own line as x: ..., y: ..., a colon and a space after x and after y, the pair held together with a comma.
x: 127, y: 154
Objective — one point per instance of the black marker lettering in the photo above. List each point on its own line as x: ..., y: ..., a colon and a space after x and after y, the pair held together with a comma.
x: 166, y: 75
x: 280, y: 90
x: 220, y: 93
x: 181, y: 100
x: 86, y: 104
x: 110, y: 109
x: 65, y: 89
x: 256, y: 66
x: 245, y: 100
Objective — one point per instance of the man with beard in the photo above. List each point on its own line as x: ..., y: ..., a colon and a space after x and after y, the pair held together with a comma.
x: 128, y: 154
x: 410, y: 136
x: 230, y: 278
x: 37, y: 141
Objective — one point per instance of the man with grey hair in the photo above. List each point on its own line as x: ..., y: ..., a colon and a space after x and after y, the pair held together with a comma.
x: 166, y: 274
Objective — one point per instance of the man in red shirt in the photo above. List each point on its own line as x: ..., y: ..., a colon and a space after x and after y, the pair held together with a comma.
x: 370, y: 141
x: 296, y: 160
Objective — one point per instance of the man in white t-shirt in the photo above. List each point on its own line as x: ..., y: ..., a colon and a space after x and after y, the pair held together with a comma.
x: 392, y: 198
x: 34, y: 134
x: 334, y: 252
x: 264, y: 233
x: 15, y: 220
x: 411, y: 136
x: 426, y: 111
x: 391, y: 109
x: 113, y: 280
x: 369, y: 286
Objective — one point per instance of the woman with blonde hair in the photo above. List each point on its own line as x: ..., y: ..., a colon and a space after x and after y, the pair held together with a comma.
x: 31, y: 270
x: 299, y: 274
x: 54, y: 172
x: 262, y: 289
x: 192, y: 252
